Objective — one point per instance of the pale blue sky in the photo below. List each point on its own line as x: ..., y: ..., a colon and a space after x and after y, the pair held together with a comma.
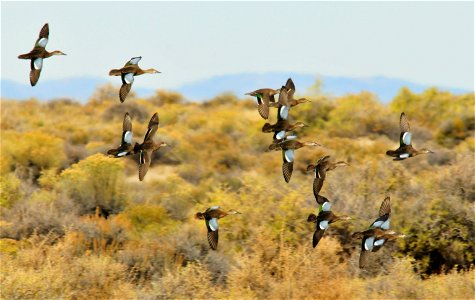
x: 425, y: 42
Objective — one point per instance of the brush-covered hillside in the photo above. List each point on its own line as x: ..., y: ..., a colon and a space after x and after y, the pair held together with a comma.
x: 58, y: 187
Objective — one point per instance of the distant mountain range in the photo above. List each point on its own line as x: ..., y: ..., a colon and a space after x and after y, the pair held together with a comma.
x: 82, y: 88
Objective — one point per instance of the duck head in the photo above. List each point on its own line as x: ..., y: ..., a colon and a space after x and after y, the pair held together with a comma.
x: 233, y: 212
x: 300, y: 125
x: 303, y: 100
x: 311, y: 144
x: 57, y: 52
x: 152, y: 71
x: 425, y: 150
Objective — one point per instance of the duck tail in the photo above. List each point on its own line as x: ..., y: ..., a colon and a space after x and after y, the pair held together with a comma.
x: 24, y: 56
x: 115, y: 72
x: 391, y: 153
x: 267, y: 127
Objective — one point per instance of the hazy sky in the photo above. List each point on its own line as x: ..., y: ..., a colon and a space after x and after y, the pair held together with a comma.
x: 425, y: 42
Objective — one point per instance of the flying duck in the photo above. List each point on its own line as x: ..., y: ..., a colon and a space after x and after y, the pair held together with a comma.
x: 290, y: 88
x: 282, y: 125
x: 127, y: 73
x: 378, y: 233
x: 405, y: 149
x: 323, y: 220
x: 264, y: 97
x: 320, y: 169
x: 211, y: 216
x: 38, y: 54
x: 288, y: 146
x: 126, y: 147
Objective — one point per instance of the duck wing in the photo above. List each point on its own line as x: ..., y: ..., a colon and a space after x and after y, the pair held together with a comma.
x: 263, y: 105
x: 406, y: 136
x: 290, y: 87
x: 144, y: 164
x: 288, y: 164
x: 152, y: 127
x: 133, y: 61
x: 383, y: 221
x: 283, y: 109
x: 127, y: 130
x: 213, y: 236
x: 317, y: 236
x: 127, y: 80
x: 35, y: 70
x: 317, y: 186
x: 42, y: 40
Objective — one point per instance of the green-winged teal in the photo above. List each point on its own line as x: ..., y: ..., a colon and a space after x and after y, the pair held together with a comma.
x: 405, y: 149
x: 264, y: 97
x: 288, y: 146
x: 127, y: 73
x: 323, y: 220
x: 126, y: 147
x: 38, y: 54
x: 378, y: 233
x: 320, y: 169
x: 211, y: 216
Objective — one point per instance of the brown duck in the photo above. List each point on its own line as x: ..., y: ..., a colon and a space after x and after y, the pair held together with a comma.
x: 405, y: 149
x: 378, y: 233
x: 290, y: 88
x: 39, y: 53
x: 148, y: 147
x: 126, y: 147
x: 264, y: 97
x: 288, y: 146
x: 127, y: 73
x: 322, y: 221
x: 211, y: 216
x: 320, y: 169
x: 282, y: 125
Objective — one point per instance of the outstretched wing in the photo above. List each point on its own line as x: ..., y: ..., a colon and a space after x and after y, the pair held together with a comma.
x: 42, y: 40
x: 145, y: 158
x: 290, y: 87
x: 317, y: 186
x: 127, y: 80
x: 35, y: 70
x: 212, y: 226
x: 383, y: 221
x: 317, y: 235
x: 152, y: 127
x: 263, y: 105
x: 133, y: 61
x: 288, y: 164
x: 364, y: 258
x: 127, y: 130
x: 406, y: 136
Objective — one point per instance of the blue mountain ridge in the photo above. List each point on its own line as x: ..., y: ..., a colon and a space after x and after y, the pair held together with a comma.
x: 82, y: 88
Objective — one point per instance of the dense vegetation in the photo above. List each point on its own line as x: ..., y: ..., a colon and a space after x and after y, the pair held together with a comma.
x: 54, y: 174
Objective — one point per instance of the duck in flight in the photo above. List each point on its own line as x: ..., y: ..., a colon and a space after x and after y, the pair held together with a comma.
x: 211, y: 216
x: 405, y: 149
x: 38, y: 54
x: 127, y: 74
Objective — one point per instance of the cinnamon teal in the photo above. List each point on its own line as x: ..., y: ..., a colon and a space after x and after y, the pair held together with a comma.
x: 320, y: 169
x: 322, y: 221
x: 264, y: 97
x: 126, y: 147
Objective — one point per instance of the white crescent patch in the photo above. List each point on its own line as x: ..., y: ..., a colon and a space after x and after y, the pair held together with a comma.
x: 284, y: 112
x: 135, y: 60
x: 368, y: 243
x: 289, y: 155
x: 214, y: 207
x: 42, y: 42
x: 291, y: 137
x: 122, y: 153
x: 385, y: 225
x: 280, y: 135
x: 213, y: 224
x: 38, y: 63
x: 128, y: 137
x: 326, y: 206
x: 406, y: 138
x: 404, y: 155
x: 129, y: 78
x: 323, y: 224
